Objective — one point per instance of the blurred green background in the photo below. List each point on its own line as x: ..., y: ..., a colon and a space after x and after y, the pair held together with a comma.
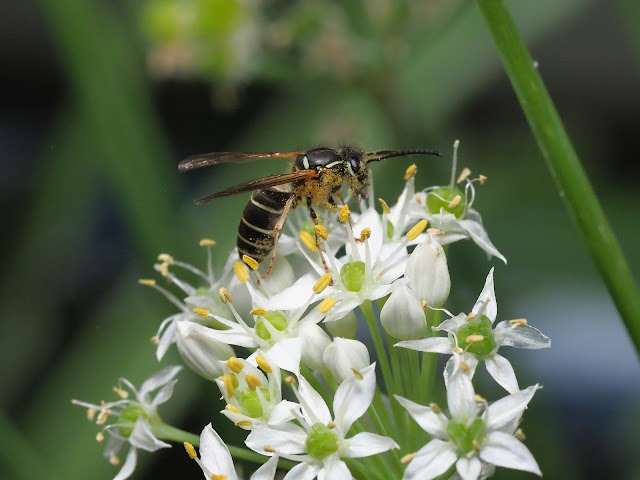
x: 101, y: 99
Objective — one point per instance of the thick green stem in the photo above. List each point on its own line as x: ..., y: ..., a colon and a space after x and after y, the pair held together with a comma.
x: 565, y: 167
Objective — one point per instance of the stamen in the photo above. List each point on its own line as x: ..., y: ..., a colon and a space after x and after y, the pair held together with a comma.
x: 454, y: 164
x: 326, y: 305
x: 190, y: 450
x: 164, y: 269
x: 385, y: 207
x: 416, y: 230
x: 253, y: 264
x: 91, y: 413
x: 230, y: 383
x: 410, y: 172
x: 263, y: 364
x: 479, y: 398
x: 435, y: 408
x: 518, y: 322
x: 343, y: 216
x: 203, y: 312
x: 465, y: 367
x: 458, y: 350
x: 308, y: 241
x: 464, y: 174
x: 290, y: 379
x: 235, y: 365
x: 244, y: 423
x: 225, y: 296
x: 455, y: 201
x: 252, y: 381
x: 476, y: 337
x: 114, y: 460
x: 165, y: 258
x: 364, y: 234
x: 147, y: 282
x: 155, y: 340
x: 120, y: 393
x: 322, y: 283
x: 321, y: 231
x: 231, y: 408
x: 103, y: 416
x: 407, y: 458
x: 482, y: 179
x: 519, y: 434
x: 357, y: 373
x: 435, y: 231
x: 259, y: 312
x: 240, y: 271
x: 331, y: 425
x: 424, y: 304
x: 269, y: 449
x: 207, y: 242
x: 99, y: 437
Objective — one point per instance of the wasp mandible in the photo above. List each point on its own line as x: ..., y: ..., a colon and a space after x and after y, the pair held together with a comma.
x: 316, y: 178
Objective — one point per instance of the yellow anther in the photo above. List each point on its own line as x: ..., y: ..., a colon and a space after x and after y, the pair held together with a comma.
x: 364, y: 234
x: 155, y: 340
x: 455, y: 201
x: 410, y: 172
x: 326, y: 305
x: 407, y: 458
x: 263, y: 364
x: 385, y: 207
x: 321, y: 231
x: 99, y: 437
x: 424, y: 304
x: 164, y: 269
x: 331, y: 425
x: 435, y: 408
x: 476, y: 446
x: 252, y: 381
x: 165, y: 258
x: 231, y: 408
x: 479, y: 398
x: 103, y: 416
x: 518, y: 322
x: 230, y: 383
x: 190, y: 450
x: 218, y: 476
x: 458, y: 350
x: 91, y: 413
x: 465, y: 367
x: 416, y: 230
x: 120, y: 393
x: 203, y: 312
x: 308, y: 241
x: 476, y: 337
x: 464, y: 174
x: 225, y: 296
x: 322, y: 283
x: 244, y: 423
x: 482, y: 179
x: 357, y: 373
x: 470, y: 316
x: 147, y: 282
x: 241, y: 271
x: 259, y: 312
x: 207, y: 242
x: 235, y: 365
x: 290, y: 379
x: 269, y: 449
x: 343, y: 216
x: 435, y: 231
x: 253, y: 264
x: 114, y: 460
x: 519, y: 434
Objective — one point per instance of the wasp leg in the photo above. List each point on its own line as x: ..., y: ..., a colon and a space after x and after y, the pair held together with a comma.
x: 314, y: 218
x: 277, y: 230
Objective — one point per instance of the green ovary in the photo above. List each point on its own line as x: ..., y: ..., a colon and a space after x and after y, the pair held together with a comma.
x: 322, y: 441
x: 481, y: 326
x: 250, y: 402
x: 352, y: 275
x: 441, y: 198
x: 276, y: 319
x: 466, y: 438
x: 128, y: 418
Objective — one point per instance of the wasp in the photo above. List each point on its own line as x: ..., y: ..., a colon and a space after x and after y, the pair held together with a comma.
x: 316, y: 179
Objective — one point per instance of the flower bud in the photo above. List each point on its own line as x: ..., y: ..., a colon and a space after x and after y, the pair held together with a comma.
x: 314, y: 343
x: 428, y: 273
x: 344, y: 327
x: 403, y: 316
x: 343, y: 355
x: 201, y: 352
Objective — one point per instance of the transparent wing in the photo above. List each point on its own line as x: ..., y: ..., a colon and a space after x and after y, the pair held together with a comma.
x: 208, y: 159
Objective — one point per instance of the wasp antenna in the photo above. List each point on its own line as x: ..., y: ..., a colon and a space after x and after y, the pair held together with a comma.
x: 382, y: 154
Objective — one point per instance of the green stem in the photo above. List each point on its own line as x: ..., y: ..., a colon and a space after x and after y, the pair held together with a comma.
x: 565, y: 167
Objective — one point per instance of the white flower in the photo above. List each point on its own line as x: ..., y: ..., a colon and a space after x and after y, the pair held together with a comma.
x: 252, y: 397
x: 343, y: 355
x: 136, y: 418
x: 427, y: 273
x: 216, y: 462
x: 200, y: 351
x: 472, y: 439
x: 474, y: 336
x: 319, y: 444
x: 402, y: 315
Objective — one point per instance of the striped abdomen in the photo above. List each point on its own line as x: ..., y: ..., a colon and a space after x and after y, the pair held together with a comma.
x: 256, y: 232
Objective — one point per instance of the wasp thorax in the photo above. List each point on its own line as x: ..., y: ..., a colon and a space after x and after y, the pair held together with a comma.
x: 318, y: 158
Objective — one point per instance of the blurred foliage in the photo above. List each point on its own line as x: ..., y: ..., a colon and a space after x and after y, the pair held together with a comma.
x: 146, y: 83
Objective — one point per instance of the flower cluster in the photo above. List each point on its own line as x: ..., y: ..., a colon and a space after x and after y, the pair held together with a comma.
x: 284, y: 352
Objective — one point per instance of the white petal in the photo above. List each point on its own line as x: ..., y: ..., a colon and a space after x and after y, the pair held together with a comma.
x: 266, y: 471
x: 129, y: 465
x: 334, y: 469
x: 168, y: 336
x: 282, y: 412
x: 452, y: 324
x: 468, y: 468
x: 157, y: 380
x: 521, y: 337
x: 506, y: 412
x: 479, y: 235
x: 288, y: 439
x: 286, y: 354
x: 201, y: 349
x: 369, y: 219
x: 303, y: 471
x: 215, y: 454
x: 365, y: 444
x: 402, y: 316
x: 164, y: 394
x: 430, y: 461
x: 234, y: 335
x: 141, y: 437
x: 428, y: 273
x: 342, y: 355
x: 431, y: 344
x: 504, y: 450
x: 486, y: 303
x: 429, y: 421
x: 313, y: 342
x: 354, y: 396
x: 295, y: 296
x: 460, y: 396
x: 454, y: 364
x: 313, y: 407
x: 502, y: 372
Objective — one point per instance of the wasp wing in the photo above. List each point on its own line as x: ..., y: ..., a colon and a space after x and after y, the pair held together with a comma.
x: 259, y: 183
x: 208, y: 159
